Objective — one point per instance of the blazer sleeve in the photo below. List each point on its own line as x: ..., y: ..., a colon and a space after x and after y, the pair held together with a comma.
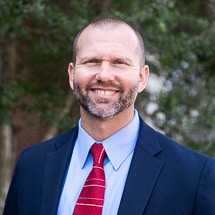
x: 205, y: 201
x: 10, y: 207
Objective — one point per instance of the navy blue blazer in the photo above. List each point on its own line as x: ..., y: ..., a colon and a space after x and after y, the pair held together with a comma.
x: 165, y: 178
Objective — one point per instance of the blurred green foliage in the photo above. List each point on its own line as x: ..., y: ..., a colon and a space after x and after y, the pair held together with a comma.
x: 36, y: 39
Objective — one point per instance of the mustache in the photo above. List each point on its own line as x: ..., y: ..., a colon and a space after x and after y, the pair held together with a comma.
x: 104, y: 85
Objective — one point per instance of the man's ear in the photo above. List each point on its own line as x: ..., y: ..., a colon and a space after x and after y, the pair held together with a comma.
x: 71, y: 74
x: 144, y: 74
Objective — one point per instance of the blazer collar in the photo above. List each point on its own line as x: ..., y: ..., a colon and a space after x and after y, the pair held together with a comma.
x: 143, y: 174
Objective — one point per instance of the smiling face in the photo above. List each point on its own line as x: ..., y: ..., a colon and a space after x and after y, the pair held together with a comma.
x: 108, y: 74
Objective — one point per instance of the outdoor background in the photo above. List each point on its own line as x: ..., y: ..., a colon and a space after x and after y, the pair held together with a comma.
x: 36, y: 102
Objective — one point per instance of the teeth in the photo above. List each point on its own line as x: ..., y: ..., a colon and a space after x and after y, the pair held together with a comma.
x: 105, y: 92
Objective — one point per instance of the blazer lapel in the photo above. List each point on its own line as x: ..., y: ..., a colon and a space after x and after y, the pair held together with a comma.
x: 56, y: 165
x: 143, y: 174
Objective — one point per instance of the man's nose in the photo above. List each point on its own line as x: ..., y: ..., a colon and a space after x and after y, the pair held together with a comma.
x: 105, y: 72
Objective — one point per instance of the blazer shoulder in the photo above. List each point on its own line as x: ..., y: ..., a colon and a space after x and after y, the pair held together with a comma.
x: 170, y: 148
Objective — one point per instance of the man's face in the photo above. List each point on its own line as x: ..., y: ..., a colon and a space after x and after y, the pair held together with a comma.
x: 107, y: 76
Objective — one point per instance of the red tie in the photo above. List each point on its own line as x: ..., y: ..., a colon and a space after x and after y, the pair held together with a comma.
x: 91, y: 198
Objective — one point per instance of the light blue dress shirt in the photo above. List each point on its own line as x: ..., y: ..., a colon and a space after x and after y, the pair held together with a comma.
x: 119, y: 149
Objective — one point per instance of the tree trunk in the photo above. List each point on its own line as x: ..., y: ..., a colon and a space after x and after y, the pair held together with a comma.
x: 6, y: 161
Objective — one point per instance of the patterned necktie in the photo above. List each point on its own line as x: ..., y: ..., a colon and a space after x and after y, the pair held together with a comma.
x: 91, y: 198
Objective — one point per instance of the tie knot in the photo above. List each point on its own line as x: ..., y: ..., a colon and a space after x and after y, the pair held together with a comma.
x: 98, y: 153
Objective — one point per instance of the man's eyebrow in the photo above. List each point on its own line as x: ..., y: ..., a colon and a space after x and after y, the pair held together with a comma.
x: 125, y: 59
x: 112, y: 58
x: 87, y: 58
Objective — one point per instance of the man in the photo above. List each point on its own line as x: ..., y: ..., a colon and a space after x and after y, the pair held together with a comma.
x: 145, y: 172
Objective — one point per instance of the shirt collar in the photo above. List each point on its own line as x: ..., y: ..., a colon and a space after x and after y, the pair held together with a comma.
x: 117, y: 147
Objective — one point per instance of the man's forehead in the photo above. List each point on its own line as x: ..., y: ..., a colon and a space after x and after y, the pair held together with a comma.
x: 106, y: 40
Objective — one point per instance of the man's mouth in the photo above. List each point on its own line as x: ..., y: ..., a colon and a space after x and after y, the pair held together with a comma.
x: 104, y: 92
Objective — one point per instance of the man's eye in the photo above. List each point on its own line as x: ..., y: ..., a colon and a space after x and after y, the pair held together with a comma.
x: 121, y: 62
x: 93, y: 61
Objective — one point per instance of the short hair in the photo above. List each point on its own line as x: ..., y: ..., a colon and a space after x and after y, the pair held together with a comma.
x: 113, y: 22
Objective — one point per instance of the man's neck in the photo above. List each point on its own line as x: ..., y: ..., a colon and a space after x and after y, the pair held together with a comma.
x: 101, y: 129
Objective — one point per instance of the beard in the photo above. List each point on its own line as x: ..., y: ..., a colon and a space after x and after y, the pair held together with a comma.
x: 102, y: 108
